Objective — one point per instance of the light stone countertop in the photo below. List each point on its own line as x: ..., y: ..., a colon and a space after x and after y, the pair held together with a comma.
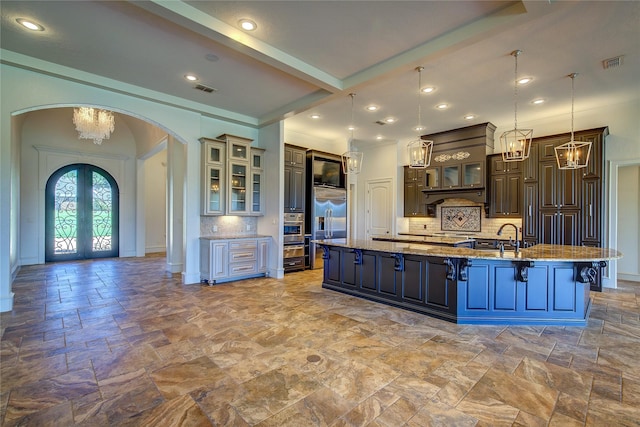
x: 540, y: 252
x: 442, y: 240
x: 233, y: 236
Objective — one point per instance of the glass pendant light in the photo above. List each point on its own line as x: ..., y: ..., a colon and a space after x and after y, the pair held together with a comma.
x: 419, y: 149
x: 517, y: 142
x: 573, y: 154
x: 351, y: 159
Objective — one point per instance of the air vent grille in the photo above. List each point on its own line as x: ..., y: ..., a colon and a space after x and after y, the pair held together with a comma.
x: 204, y: 88
x: 380, y: 122
x: 612, y: 62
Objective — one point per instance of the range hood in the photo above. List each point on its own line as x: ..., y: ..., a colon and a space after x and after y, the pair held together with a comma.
x: 459, y: 148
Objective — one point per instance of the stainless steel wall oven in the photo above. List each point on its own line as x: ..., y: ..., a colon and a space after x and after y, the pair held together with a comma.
x: 293, y: 249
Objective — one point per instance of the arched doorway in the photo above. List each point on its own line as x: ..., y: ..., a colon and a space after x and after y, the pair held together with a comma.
x: 81, y: 214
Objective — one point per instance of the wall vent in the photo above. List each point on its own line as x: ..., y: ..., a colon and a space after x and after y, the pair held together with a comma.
x: 204, y: 88
x: 380, y: 122
x: 612, y: 62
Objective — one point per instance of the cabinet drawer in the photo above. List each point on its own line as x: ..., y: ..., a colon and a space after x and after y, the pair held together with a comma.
x: 241, y: 255
x: 249, y: 245
x: 242, y: 268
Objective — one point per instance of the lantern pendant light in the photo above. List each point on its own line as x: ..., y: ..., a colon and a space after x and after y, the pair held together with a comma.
x: 573, y: 154
x: 351, y: 159
x: 517, y: 142
x: 419, y: 149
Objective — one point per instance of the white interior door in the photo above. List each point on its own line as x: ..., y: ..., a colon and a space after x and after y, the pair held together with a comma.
x: 379, y: 202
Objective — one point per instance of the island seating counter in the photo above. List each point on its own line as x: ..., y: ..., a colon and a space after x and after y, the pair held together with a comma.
x: 540, y: 285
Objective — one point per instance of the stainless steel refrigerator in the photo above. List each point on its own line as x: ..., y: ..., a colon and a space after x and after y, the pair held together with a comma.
x: 329, y: 219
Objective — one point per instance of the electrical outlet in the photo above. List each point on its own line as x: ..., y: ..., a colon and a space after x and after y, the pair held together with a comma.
x: 248, y: 227
x: 424, y: 226
x: 215, y: 228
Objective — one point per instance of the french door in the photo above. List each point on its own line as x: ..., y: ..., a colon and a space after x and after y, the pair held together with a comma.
x: 81, y: 214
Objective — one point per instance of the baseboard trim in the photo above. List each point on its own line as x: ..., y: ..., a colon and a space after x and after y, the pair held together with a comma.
x: 629, y: 277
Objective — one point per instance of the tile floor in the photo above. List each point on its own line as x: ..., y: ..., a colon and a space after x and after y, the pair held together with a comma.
x: 120, y: 342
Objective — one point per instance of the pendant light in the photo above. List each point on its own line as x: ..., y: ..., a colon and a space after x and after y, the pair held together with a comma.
x: 573, y: 154
x: 351, y: 159
x: 419, y: 149
x: 517, y: 142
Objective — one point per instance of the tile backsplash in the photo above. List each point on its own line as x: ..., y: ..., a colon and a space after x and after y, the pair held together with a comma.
x: 228, y: 225
x: 488, y: 226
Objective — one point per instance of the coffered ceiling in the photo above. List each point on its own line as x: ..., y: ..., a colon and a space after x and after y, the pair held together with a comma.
x: 307, y: 56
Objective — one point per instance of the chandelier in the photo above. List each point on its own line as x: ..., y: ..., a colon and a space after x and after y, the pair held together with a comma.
x: 573, y: 154
x: 419, y: 150
x: 517, y: 142
x: 351, y: 159
x: 93, y: 123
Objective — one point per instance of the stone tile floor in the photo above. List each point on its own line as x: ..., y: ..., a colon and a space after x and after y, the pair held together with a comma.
x: 121, y: 342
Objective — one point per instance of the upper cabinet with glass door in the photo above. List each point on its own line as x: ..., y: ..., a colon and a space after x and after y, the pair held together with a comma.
x: 213, y: 176
x: 238, y: 174
x: 257, y: 181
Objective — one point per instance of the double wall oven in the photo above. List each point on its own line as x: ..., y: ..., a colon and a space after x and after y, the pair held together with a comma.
x: 293, y: 250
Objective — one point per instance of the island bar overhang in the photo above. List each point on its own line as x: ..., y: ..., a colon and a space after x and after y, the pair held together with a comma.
x: 541, y: 285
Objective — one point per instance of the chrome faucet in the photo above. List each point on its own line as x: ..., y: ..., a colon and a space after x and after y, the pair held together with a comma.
x: 517, y: 242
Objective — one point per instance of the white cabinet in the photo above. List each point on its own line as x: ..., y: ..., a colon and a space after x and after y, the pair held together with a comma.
x: 257, y: 181
x: 223, y: 260
x: 214, y: 160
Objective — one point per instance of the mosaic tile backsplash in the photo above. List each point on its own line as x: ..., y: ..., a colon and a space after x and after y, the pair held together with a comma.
x: 488, y: 226
x: 228, y: 225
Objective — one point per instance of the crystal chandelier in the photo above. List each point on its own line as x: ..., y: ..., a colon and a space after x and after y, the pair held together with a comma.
x: 517, y: 142
x: 93, y: 123
x: 419, y: 150
x: 351, y: 160
x: 573, y: 154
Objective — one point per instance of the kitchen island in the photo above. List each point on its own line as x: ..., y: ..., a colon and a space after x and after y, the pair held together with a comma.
x: 539, y: 285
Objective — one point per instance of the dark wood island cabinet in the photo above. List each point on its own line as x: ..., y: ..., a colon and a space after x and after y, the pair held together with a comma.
x: 541, y: 285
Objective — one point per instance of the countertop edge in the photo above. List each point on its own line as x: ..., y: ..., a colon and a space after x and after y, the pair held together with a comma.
x: 542, y: 252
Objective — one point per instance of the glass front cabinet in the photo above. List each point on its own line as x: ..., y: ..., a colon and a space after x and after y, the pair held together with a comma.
x: 232, y: 176
x: 213, y: 176
x: 257, y: 181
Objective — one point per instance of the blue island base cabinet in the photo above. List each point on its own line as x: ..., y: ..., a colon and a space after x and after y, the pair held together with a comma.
x: 465, y: 291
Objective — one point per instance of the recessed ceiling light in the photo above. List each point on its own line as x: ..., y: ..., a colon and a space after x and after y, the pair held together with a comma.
x: 372, y: 107
x: 469, y: 117
x: 315, y: 116
x: 428, y: 89
x: 30, y: 24
x: 191, y: 77
x: 525, y: 80
x: 390, y: 120
x: 419, y: 128
x: 538, y: 101
x: 247, y: 24
x: 351, y: 127
x: 442, y: 106
x: 379, y: 137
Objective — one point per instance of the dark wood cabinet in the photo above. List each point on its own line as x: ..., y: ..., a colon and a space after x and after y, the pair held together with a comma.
x: 591, y: 218
x: 530, y: 213
x: 559, y: 227
x: 505, y: 188
x: 569, y: 208
x: 414, y: 199
x: 294, y: 178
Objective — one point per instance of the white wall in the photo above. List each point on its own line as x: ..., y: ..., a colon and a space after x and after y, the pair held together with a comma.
x: 629, y: 222
x: 155, y: 202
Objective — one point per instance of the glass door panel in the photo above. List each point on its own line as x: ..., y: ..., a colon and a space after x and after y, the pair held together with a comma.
x: 214, y: 202
x: 432, y: 178
x: 256, y: 192
x: 81, y: 214
x: 472, y: 175
x: 451, y: 175
x: 238, y: 193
